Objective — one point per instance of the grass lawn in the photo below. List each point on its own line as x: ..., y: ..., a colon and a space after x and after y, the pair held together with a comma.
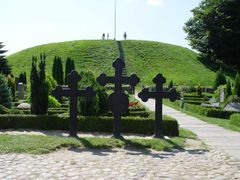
x: 45, y: 144
x: 218, y: 121
x: 145, y: 58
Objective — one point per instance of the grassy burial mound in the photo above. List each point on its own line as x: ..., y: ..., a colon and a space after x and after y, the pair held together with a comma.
x: 145, y: 58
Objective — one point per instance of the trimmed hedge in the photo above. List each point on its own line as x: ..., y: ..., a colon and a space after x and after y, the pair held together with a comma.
x: 87, y: 124
x: 235, y: 120
x: 209, y: 112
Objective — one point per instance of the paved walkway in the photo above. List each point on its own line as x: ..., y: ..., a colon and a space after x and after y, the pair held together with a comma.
x: 120, y: 164
x: 212, y: 135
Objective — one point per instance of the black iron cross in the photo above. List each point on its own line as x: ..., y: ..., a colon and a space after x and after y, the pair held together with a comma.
x: 158, y: 95
x: 118, y: 101
x: 73, y: 92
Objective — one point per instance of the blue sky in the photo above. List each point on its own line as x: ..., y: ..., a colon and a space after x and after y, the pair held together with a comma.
x: 26, y: 23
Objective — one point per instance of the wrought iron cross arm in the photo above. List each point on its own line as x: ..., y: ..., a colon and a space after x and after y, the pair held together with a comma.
x: 88, y: 93
x: 172, y: 94
x: 144, y: 94
x: 59, y: 91
x: 103, y: 79
x: 133, y: 80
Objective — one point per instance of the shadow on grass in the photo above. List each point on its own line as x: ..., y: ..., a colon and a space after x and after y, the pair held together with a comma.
x: 134, y: 148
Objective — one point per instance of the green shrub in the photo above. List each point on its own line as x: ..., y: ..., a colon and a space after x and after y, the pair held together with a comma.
x: 4, y: 110
x: 235, y: 120
x: 220, y: 79
x: 5, y: 93
x: 209, y: 112
x: 199, y: 90
x: 52, y: 102
x: 87, y: 124
x: 11, y: 85
x: 98, y: 104
x: 51, y: 83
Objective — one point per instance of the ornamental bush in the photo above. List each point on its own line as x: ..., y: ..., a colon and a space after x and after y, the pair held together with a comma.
x: 53, y: 102
x: 235, y: 120
x: 98, y: 104
x: 220, y: 79
x: 87, y: 124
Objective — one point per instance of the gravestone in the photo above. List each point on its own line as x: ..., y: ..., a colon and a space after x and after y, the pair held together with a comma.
x: 159, y: 94
x: 222, y: 95
x: 118, y: 101
x: 21, y: 91
x: 73, y: 92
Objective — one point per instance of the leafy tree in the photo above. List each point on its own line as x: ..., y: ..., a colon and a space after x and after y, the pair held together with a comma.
x: 214, y: 30
x: 220, y: 79
x: 4, y: 66
x: 237, y: 85
x: 5, y: 93
x: 39, y: 87
x: 228, y: 89
x: 98, y: 104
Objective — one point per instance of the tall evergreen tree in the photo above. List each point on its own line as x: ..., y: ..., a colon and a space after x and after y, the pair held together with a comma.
x: 69, y: 66
x: 228, y: 89
x: 39, y: 87
x: 54, y: 68
x: 34, y: 79
x: 237, y: 85
x: 57, y: 70
x: 4, y: 66
x: 5, y: 93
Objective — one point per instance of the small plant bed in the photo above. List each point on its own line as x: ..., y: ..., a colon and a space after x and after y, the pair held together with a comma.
x: 45, y: 144
x: 225, y: 123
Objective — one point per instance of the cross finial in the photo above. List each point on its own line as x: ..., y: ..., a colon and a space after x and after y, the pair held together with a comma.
x: 159, y: 79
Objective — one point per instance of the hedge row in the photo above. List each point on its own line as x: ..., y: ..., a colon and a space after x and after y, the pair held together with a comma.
x: 235, y: 120
x: 209, y: 112
x: 87, y: 124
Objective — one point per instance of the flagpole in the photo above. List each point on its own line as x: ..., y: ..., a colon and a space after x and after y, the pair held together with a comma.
x: 115, y: 19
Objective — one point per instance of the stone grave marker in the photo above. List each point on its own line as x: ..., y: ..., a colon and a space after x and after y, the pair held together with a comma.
x: 222, y: 95
x: 159, y: 94
x: 21, y: 91
x: 118, y: 101
x: 73, y: 92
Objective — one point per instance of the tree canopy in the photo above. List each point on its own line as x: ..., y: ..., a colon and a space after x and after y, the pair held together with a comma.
x: 214, y: 30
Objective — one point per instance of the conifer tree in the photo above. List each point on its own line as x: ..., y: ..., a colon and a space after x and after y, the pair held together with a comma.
x: 4, y: 66
x: 237, y: 85
x: 39, y: 87
x: 5, y: 93
x: 69, y: 67
x: 228, y: 89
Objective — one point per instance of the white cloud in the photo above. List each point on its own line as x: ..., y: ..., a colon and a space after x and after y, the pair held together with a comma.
x: 155, y: 2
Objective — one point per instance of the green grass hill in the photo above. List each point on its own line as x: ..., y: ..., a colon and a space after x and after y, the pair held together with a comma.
x: 145, y: 58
